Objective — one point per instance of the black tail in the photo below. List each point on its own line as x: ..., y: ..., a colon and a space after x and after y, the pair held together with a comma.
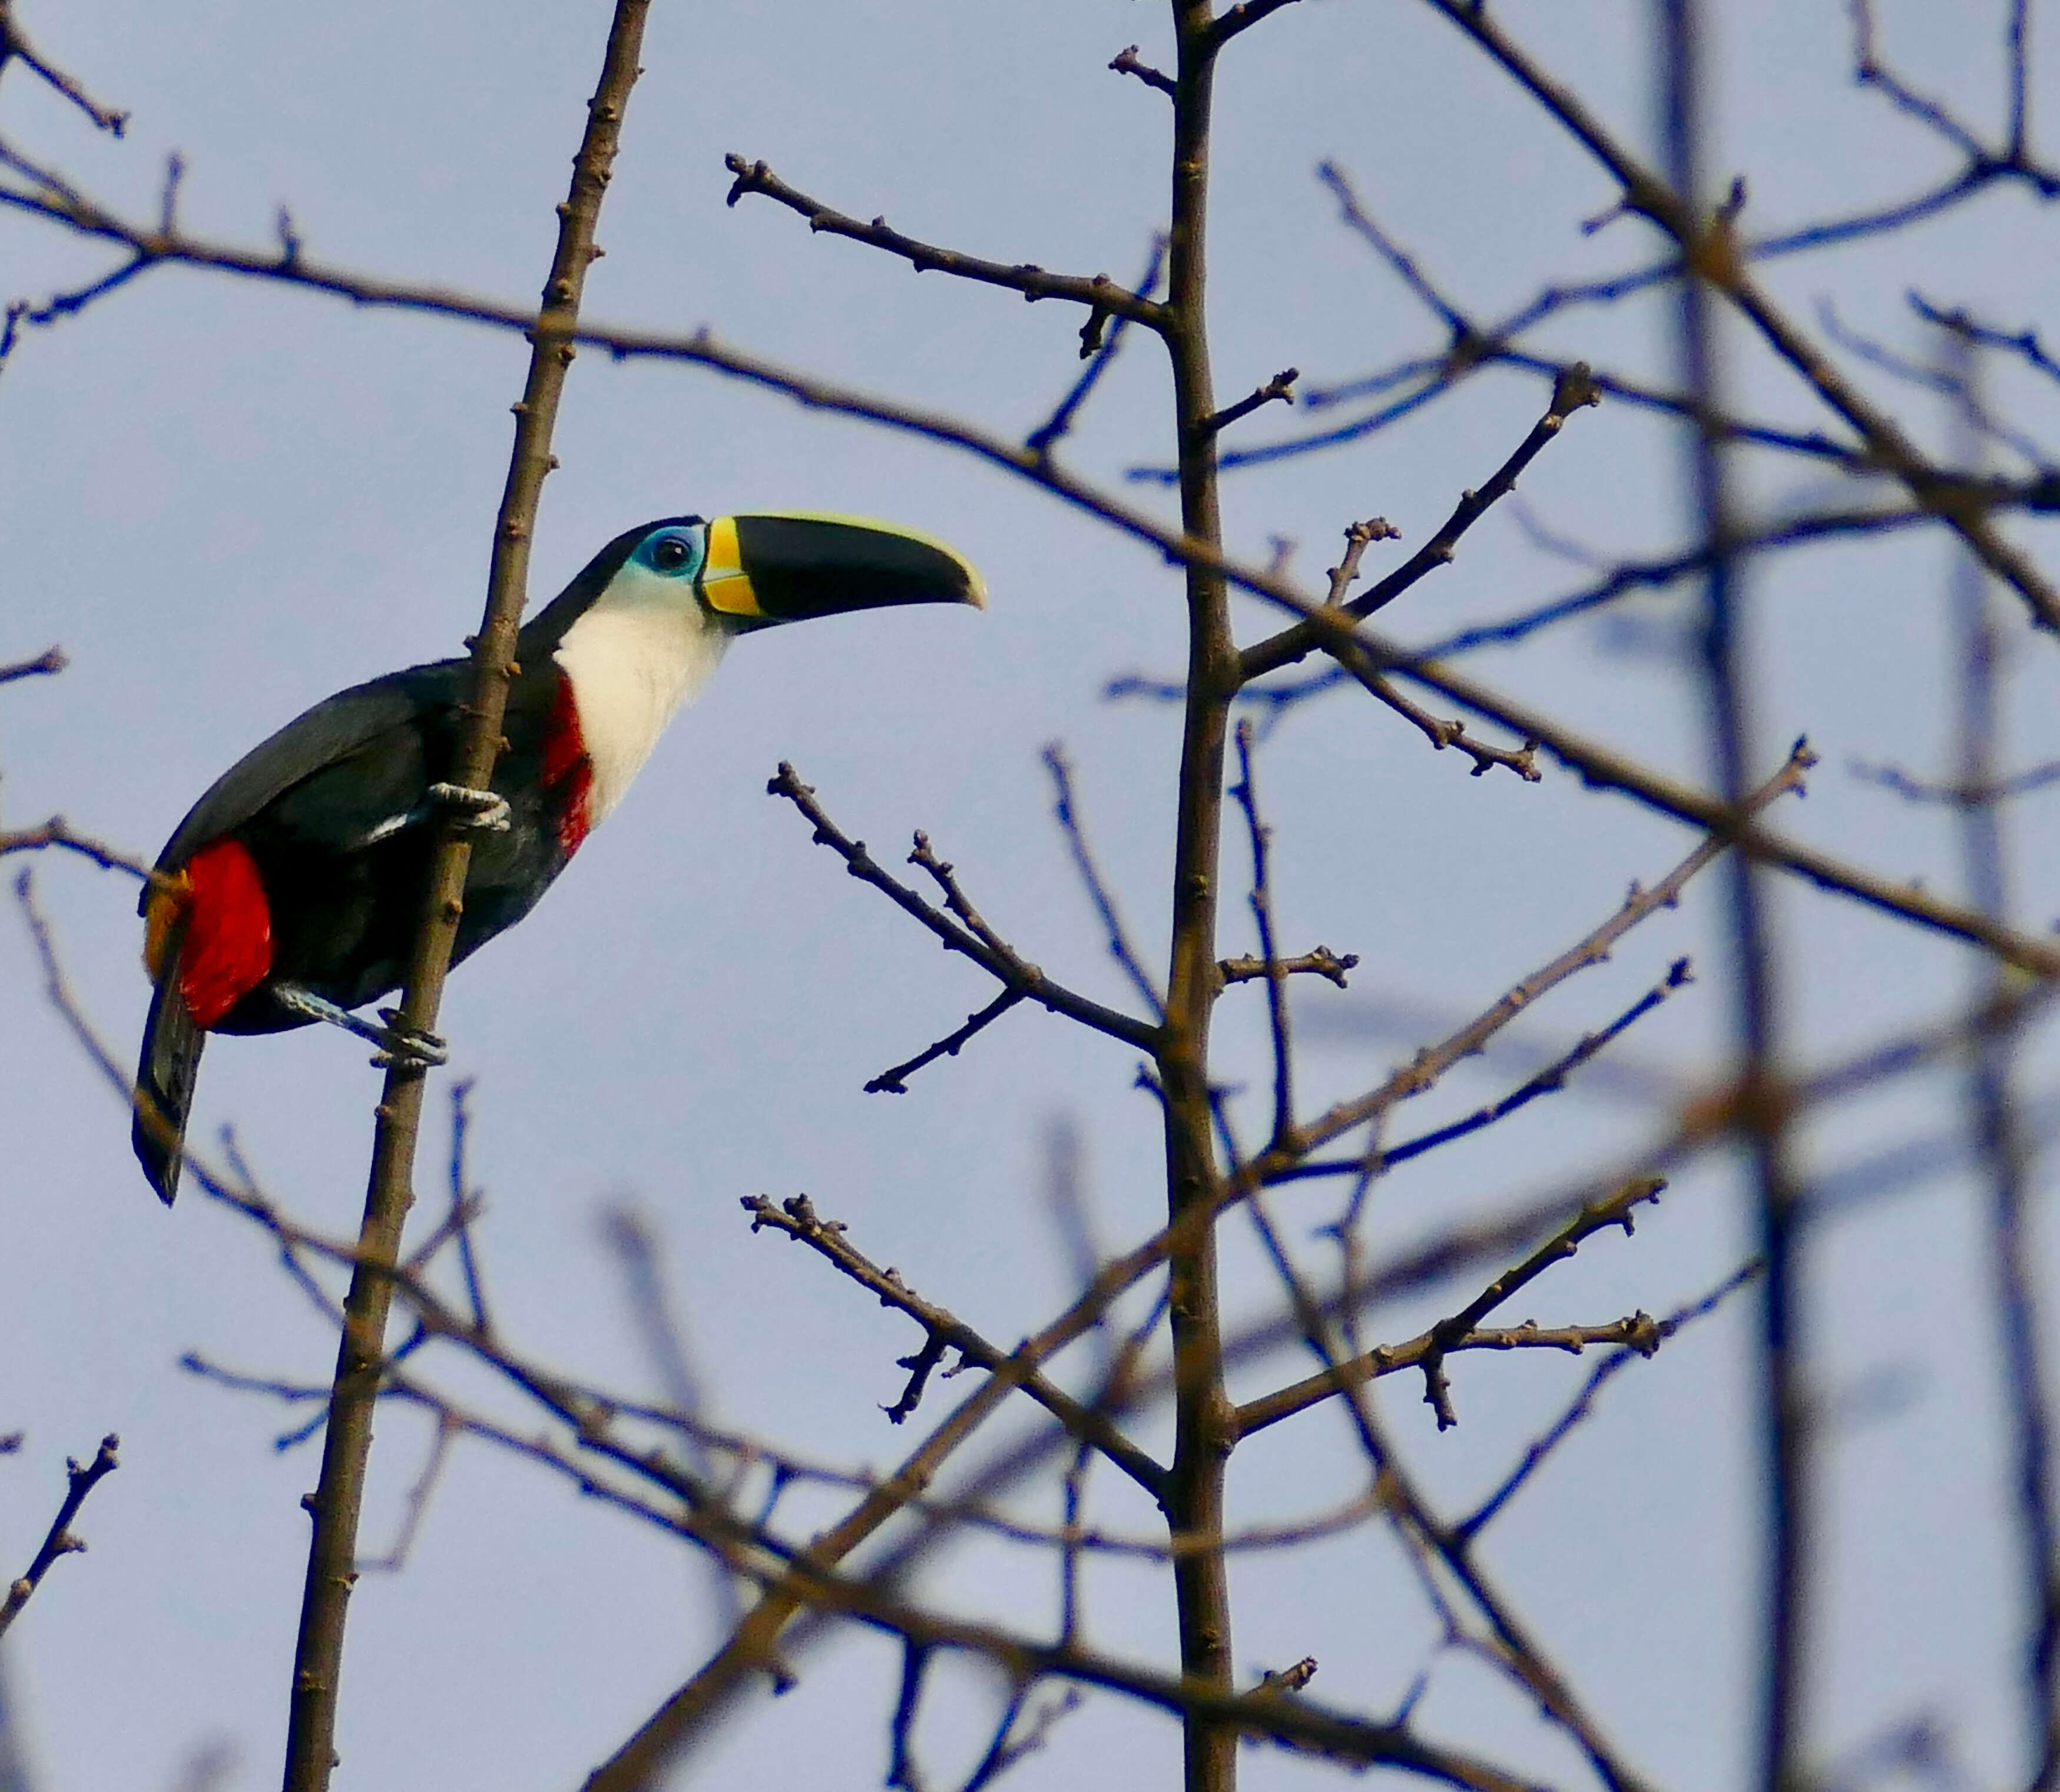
x: 165, y: 1078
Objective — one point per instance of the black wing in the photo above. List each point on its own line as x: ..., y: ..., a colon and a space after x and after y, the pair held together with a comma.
x: 337, y: 729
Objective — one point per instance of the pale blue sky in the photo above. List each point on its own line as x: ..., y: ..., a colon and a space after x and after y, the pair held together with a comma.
x: 227, y: 500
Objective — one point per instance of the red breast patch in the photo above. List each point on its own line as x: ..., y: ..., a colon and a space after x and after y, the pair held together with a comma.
x: 227, y: 949
x: 567, y: 772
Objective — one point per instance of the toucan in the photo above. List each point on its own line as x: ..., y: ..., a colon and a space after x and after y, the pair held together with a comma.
x: 290, y: 892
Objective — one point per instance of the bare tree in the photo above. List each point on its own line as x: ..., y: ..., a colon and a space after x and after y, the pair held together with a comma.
x: 1794, y: 432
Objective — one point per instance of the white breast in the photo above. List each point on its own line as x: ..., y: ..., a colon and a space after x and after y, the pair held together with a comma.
x: 644, y: 648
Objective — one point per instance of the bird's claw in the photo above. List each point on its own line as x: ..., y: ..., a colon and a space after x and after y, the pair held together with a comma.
x: 484, y: 809
x: 409, y: 1047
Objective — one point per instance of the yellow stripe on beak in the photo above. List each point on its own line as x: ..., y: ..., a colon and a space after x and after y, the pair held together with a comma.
x: 724, y: 581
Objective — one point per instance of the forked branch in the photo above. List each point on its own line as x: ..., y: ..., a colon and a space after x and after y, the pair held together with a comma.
x: 1575, y: 390
x: 797, y: 1218
x: 971, y: 938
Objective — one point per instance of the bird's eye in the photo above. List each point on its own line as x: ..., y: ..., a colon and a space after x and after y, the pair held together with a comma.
x: 670, y: 554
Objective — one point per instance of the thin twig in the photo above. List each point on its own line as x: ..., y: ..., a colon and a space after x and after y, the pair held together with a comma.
x: 1100, y: 338
x: 1629, y: 576
x: 1465, y: 343
x: 1246, y: 794
x: 895, y: 1081
x: 1066, y: 808
x: 1099, y: 293
x: 1634, y: 1329
x: 67, y: 304
x: 2020, y: 80
x: 1442, y: 731
x: 57, y: 833
x: 1957, y: 794
x: 49, y: 662
x: 1010, y: 1746
x: 2025, y: 343
x: 1242, y: 17
x: 1870, y: 71
x: 15, y: 47
x: 1126, y: 61
x: 1280, y: 387
x: 1073, y: 1493
x: 1930, y: 378
x: 902, y: 1773
x: 59, y: 1540
x: 1321, y: 963
x: 465, y: 1206
x: 650, y: 1303
x: 417, y: 1507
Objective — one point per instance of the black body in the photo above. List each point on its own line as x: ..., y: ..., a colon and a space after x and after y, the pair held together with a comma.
x: 334, y: 809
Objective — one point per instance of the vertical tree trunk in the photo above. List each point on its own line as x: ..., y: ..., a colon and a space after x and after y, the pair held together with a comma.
x: 1193, y: 1504
x: 338, y: 1499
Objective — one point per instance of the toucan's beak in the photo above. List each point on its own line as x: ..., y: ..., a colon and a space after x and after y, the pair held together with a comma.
x: 783, y: 566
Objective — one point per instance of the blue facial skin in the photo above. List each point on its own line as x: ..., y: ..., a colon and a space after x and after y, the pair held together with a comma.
x: 675, y: 552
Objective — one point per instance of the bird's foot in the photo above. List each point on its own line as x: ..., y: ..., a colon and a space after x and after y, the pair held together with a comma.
x: 484, y: 809
x: 410, y: 1046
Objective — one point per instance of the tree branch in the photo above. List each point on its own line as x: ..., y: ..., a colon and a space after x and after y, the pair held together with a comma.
x: 14, y: 45
x: 57, y: 833
x: 1126, y: 62
x: 895, y: 1081
x: 1434, y: 1061
x: 1242, y: 17
x: 1548, y: 1081
x: 49, y: 662
x: 1194, y: 1503
x: 986, y: 949
x: 1713, y: 253
x: 1245, y: 793
x: 1583, y: 1403
x: 1637, y: 1331
x: 1321, y: 963
x: 1281, y: 387
x: 1574, y: 391
x: 1067, y: 809
x: 1616, y: 1211
x: 59, y: 1540
x: 798, y: 1219
x: 1099, y: 293
x: 347, y: 1441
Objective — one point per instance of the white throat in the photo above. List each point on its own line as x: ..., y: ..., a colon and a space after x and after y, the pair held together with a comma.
x: 645, y: 647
